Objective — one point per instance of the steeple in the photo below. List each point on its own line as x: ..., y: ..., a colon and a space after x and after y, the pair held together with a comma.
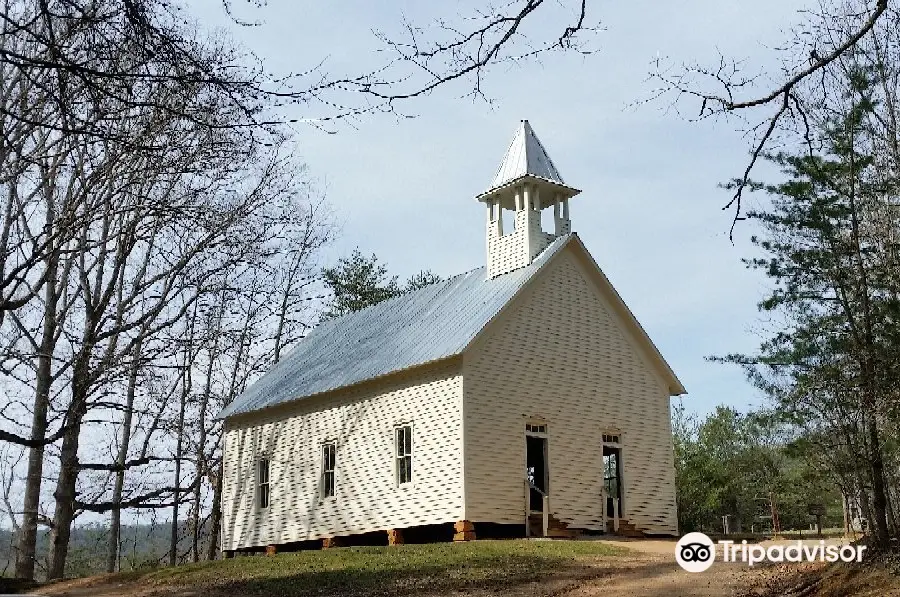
x: 527, y: 182
x: 525, y: 156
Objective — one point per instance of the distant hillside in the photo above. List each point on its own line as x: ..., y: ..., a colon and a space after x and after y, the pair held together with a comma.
x: 142, y: 546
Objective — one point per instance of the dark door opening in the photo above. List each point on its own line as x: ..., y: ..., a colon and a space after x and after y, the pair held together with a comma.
x: 612, y: 477
x: 536, y: 469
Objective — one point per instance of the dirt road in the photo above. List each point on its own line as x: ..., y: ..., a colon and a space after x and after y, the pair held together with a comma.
x: 654, y: 573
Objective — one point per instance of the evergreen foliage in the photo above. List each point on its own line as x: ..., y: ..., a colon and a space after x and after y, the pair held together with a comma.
x: 828, y: 244
x: 357, y: 282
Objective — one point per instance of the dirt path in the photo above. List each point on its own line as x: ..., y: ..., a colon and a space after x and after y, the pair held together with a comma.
x: 657, y: 574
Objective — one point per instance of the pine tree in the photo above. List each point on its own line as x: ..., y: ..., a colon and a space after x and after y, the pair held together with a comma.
x: 831, y: 366
x: 357, y: 282
x: 424, y: 278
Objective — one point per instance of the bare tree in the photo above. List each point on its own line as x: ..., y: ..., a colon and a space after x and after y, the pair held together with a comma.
x: 164, y: 42
x: 831, y: 34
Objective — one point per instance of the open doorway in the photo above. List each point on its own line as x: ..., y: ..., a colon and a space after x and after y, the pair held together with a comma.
x: 612, y: 477
x: 536, y: 468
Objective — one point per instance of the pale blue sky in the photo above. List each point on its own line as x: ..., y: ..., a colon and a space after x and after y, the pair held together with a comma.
x: 650, y: 207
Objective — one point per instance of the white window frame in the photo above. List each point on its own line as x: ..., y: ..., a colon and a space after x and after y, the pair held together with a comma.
x: 536, y: 428
x: 324, y: 493
x: 263, y: 482
x: 401, y: 454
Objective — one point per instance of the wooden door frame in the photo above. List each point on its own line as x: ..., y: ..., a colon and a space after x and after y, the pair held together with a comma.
x: 545, y: 436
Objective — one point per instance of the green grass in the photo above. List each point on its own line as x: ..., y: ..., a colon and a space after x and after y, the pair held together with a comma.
x: 399, y: 570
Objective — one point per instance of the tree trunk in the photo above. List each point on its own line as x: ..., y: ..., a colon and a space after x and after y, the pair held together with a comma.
x: 115, y: 517
x: 867, y: 349
x: 200, y: 468
x: 66, y: 482
x: 27, y: 543
x: 65, y: 501
x: 879, y: 500
x: 864, y: 508
x: 891, y: 512
x: 215, y: 517
x: 186, y: 385
x: 195, y: 509
x: 173, y: 537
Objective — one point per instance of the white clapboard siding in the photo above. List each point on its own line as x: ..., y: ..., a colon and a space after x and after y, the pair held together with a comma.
x: 518, y: 247
x: 361, y: 420
x: 561, y: 353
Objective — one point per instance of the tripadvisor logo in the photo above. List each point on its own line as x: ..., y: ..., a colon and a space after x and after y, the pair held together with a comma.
x: 695, y: 552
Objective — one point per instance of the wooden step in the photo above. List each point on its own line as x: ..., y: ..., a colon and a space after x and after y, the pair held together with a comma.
x: 556, y: 528
x: 626, y: 529
x: 562, y: 534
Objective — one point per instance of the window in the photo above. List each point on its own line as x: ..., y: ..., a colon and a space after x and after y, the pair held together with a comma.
x: 262, y: 481
x: 612, y: 471
x: 403, y: 451
x: 535, y: 428
x: 328, y: 461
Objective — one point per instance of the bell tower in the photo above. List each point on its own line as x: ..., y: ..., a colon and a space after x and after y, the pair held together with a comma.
x: 526, y: 183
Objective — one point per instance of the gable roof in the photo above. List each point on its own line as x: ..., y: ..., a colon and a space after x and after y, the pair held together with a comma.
x: 525, y: 156
x: 433, y: 323
x: 430, y: 324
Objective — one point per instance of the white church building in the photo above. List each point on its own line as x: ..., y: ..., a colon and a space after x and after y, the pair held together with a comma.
x: 520, y: 398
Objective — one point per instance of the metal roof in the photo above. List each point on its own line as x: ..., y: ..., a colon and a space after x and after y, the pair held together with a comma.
x: 525, y: 156
x: 430, y: 324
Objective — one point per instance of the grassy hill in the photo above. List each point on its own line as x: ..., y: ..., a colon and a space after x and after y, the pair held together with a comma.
x: 365, y: 571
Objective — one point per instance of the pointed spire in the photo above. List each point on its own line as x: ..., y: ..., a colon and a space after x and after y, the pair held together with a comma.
x: 526, y: 183
x: 525, y: 156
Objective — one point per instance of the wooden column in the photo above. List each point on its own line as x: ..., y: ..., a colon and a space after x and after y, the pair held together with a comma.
x: 329, y: 542
x: 271, y: 550
x: 465, y: 531
x: 528, y: 206
x: 395, y: 537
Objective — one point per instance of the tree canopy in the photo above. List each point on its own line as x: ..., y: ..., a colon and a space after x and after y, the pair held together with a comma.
x: 357, y: 282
